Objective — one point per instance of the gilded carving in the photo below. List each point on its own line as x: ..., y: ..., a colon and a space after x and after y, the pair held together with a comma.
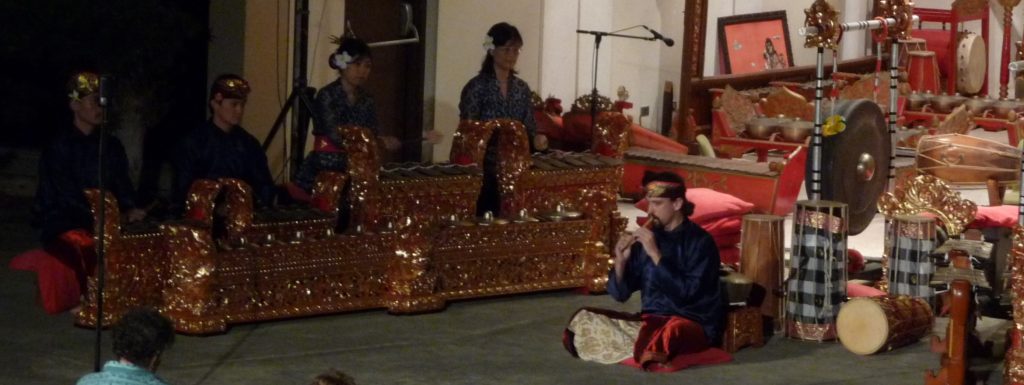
x: 582, y: 103
x: 469, y: 144
x: 903, y: 12
x: 201, y: 201
x: 782, y: 101
x: 327, y: 191
x: 822, y: 16
x: 610, y: 134
x: 926, y: 193
x: 738, y: 108
x: 1013, y: 371
x: 238, y: 206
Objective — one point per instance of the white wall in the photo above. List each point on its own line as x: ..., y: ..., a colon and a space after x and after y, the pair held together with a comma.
x: 462, y: 25
x: 559, y: 58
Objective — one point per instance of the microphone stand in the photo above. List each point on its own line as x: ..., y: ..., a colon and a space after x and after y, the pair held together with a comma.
x: 598, y: 35
x: 102, y: 219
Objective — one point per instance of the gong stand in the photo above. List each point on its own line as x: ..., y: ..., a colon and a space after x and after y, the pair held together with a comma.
x: 822, y: 30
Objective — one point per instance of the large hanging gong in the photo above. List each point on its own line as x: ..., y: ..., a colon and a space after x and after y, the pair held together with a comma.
x: 855, y: 161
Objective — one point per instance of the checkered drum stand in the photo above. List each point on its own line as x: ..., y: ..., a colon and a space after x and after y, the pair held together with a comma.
x: 909, y: 242
x: 817, y: 278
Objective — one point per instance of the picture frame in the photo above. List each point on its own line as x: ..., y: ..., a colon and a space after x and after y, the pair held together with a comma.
x: 754, y: 42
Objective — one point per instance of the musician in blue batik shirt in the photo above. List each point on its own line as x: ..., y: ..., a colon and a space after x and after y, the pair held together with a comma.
x: 495, y: 93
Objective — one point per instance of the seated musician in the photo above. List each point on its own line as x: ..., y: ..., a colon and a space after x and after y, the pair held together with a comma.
x: 68, y: 167
x: 675, y: 267
x: 223, y: 149
x: 344, y: 102
x: 497, y: 93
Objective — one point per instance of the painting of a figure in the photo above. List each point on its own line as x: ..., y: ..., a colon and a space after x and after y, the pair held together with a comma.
x: 754, y: 42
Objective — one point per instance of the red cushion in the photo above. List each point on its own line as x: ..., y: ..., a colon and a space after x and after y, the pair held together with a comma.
x: 858, y: 290
x: 723, y: 226
x: 58, y: 285
x: 995, y: 216
x: 729, y: 255
x: 710, y: 204
x: 855, y: 261
x: 727, y: 240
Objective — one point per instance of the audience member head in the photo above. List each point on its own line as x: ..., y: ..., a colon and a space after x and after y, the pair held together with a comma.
x: 333, y: 377
x: 228, y: 95
x: 352, y: 60
x: 141, y: 336
x: 83, y: 91
x: 666, y: 197
x: 503, y: 44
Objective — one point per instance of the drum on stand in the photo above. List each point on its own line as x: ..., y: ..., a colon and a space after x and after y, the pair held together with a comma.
x: 816, y: 285
x: 855, y: 162
x: 923, y: 72
x: 971, y: 64
x: 868, y: 325
x: 906, y: 263
x: 967, y: 160
x: 969, y: 50
x: 761, y: 260
x: 910, y: 45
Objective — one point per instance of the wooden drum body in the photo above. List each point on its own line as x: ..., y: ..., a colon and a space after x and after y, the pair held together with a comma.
x: 868, y: 325
x: 963, y: 159
x: 907, y: 263
x: 923, y: 71
x: 761, y: 260
x: 817, y: 280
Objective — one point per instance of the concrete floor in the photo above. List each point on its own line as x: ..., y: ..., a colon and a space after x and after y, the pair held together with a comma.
x: 505, y: 340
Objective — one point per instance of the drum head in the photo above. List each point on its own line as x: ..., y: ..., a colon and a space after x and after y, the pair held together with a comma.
x: 863, y: 326
x: 971, y: 64
x: 855, y: 162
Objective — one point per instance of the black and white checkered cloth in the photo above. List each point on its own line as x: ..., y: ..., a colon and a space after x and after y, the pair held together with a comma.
x: 817, y: 282
x: 911, y: 268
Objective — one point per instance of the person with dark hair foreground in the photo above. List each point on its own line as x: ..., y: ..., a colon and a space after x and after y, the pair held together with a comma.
x: 674, y: 264
x: 496, y: 93
x: 333, y: 377
x: 221, y: 148
x: 140, y: 337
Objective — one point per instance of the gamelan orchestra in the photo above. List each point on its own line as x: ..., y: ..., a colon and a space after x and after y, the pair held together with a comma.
x: 733, y: 220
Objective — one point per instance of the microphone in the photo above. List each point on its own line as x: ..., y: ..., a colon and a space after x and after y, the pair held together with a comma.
x: 105, y: 84
x: 668, y: 42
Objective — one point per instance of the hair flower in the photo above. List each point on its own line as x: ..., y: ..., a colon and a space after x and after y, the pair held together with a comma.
x: 488, y: 43
x: 342, y: 60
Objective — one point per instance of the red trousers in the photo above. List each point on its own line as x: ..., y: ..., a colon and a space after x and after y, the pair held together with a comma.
x: 663, y: 337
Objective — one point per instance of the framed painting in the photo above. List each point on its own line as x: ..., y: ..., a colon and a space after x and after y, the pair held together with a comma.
x: 754, y: 42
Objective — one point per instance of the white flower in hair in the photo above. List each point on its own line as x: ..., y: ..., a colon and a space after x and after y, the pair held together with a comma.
x: 342, y: 60
x: 488, y: 43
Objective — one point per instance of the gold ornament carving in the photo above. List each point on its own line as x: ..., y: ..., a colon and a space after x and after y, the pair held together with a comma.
x: 582, y: 104
x: 327, y: 191
x: 610, y: 134
x: 926, y: 193
x: 822, y: 16
x: 201, y: 201
x: 903, y: 12
x: 782, y: 101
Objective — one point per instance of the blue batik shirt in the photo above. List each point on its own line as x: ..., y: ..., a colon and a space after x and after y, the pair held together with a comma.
x: 117, y: 373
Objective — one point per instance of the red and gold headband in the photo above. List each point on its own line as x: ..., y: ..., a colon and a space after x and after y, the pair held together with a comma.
x: 83, y: 84
x: 232, y: 88
x: 662, y: 189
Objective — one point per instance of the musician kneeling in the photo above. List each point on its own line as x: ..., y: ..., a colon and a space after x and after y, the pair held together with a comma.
x: 675, y: 266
